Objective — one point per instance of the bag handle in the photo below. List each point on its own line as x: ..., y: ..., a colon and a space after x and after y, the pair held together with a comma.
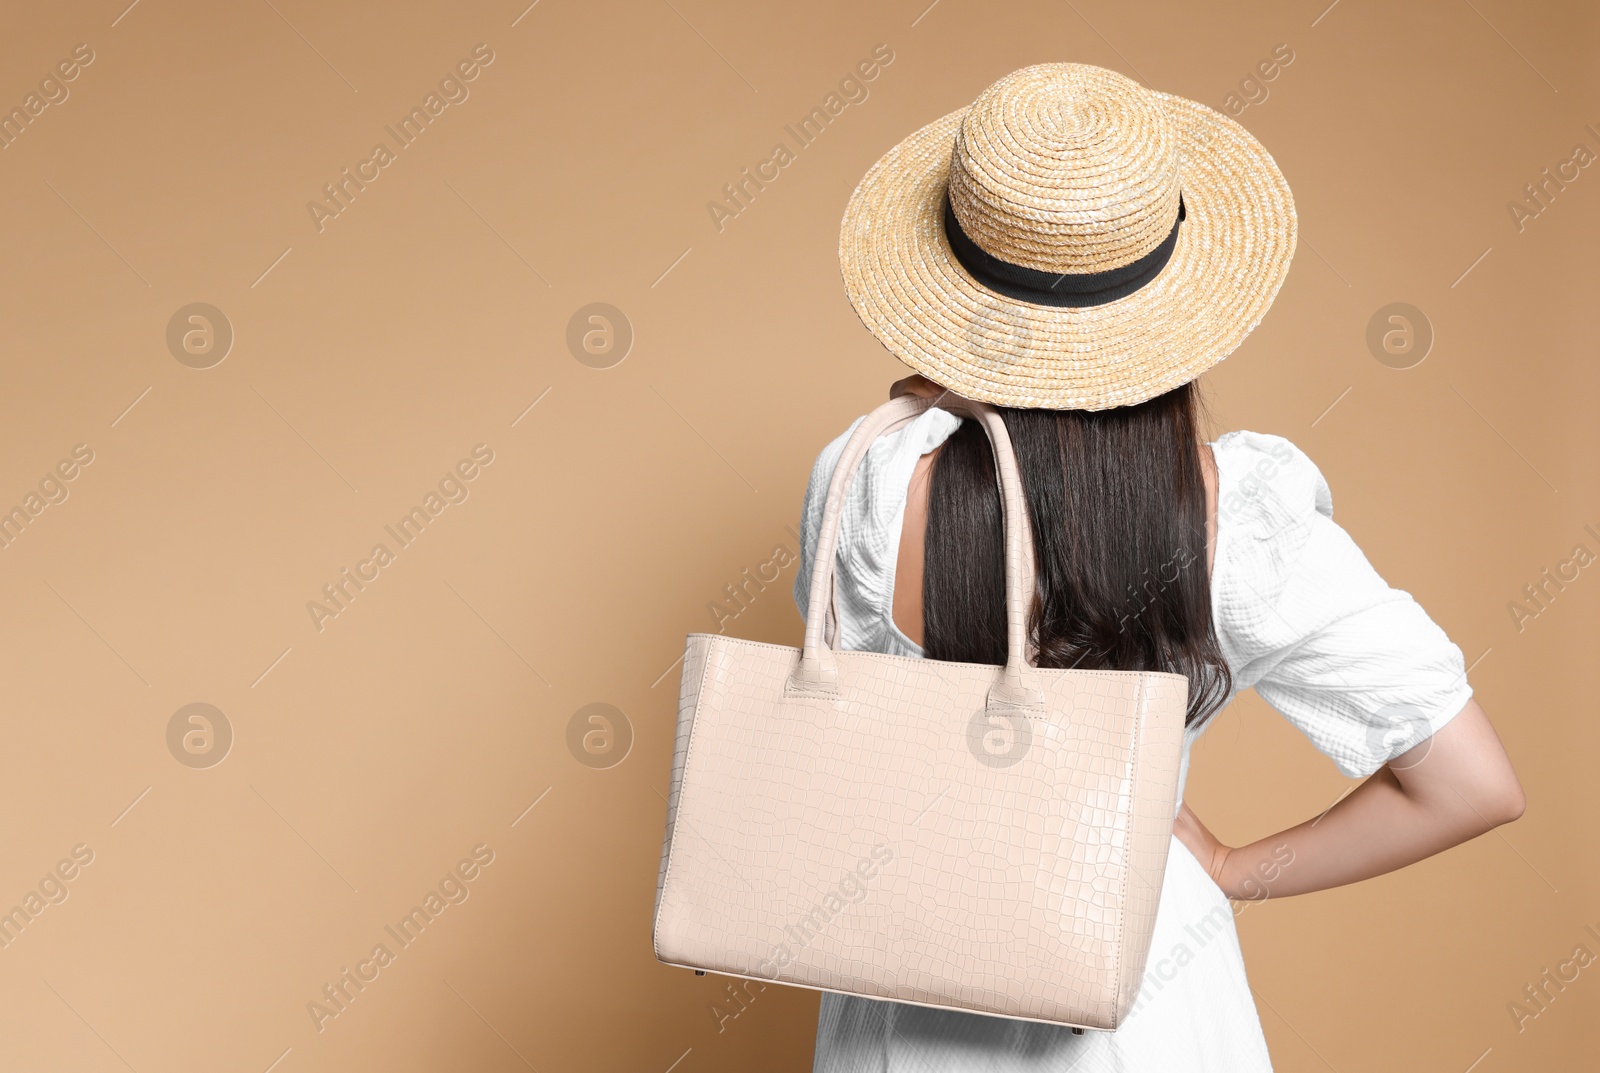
x: 818, y: 672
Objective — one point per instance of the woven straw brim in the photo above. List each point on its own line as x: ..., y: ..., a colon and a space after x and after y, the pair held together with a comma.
x: 1233, y: 252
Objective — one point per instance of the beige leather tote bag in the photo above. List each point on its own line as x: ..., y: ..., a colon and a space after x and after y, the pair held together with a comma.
x: 956, y: 835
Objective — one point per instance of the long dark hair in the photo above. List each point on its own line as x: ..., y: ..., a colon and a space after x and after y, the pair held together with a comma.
x: 1117, y: 503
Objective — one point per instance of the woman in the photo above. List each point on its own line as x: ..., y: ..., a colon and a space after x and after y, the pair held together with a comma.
x: 1076, y: 250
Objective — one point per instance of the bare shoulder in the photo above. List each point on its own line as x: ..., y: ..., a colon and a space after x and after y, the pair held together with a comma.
x: 1208, y: 472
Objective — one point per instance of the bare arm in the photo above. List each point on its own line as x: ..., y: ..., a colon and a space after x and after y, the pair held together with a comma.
x: 1453, y: 787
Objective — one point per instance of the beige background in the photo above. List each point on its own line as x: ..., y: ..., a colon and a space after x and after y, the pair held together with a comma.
x: 433, y: 711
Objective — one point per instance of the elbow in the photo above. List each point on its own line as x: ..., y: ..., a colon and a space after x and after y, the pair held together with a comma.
x: 1510, y: 803
x: 1467, y: 774
x: 1499, y: 802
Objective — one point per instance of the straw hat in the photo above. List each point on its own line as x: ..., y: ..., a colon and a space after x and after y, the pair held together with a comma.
x: 1072, y: 240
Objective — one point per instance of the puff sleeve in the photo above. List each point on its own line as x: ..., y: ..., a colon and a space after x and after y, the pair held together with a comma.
x: 1355, y: 664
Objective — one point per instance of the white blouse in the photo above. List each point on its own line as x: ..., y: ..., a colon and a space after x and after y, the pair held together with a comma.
x: 1301, y: 616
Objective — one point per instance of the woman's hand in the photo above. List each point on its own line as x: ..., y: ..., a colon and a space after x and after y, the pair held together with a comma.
x: 1205, y: 846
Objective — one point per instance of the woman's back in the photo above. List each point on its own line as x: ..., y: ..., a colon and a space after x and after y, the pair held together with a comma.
x: 906, y: 597
x: 1299, y: 614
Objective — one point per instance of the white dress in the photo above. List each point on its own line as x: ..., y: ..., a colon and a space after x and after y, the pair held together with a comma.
x: 1302, y: 617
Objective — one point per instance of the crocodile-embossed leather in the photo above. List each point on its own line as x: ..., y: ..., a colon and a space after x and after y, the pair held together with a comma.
x: 958, y: 835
